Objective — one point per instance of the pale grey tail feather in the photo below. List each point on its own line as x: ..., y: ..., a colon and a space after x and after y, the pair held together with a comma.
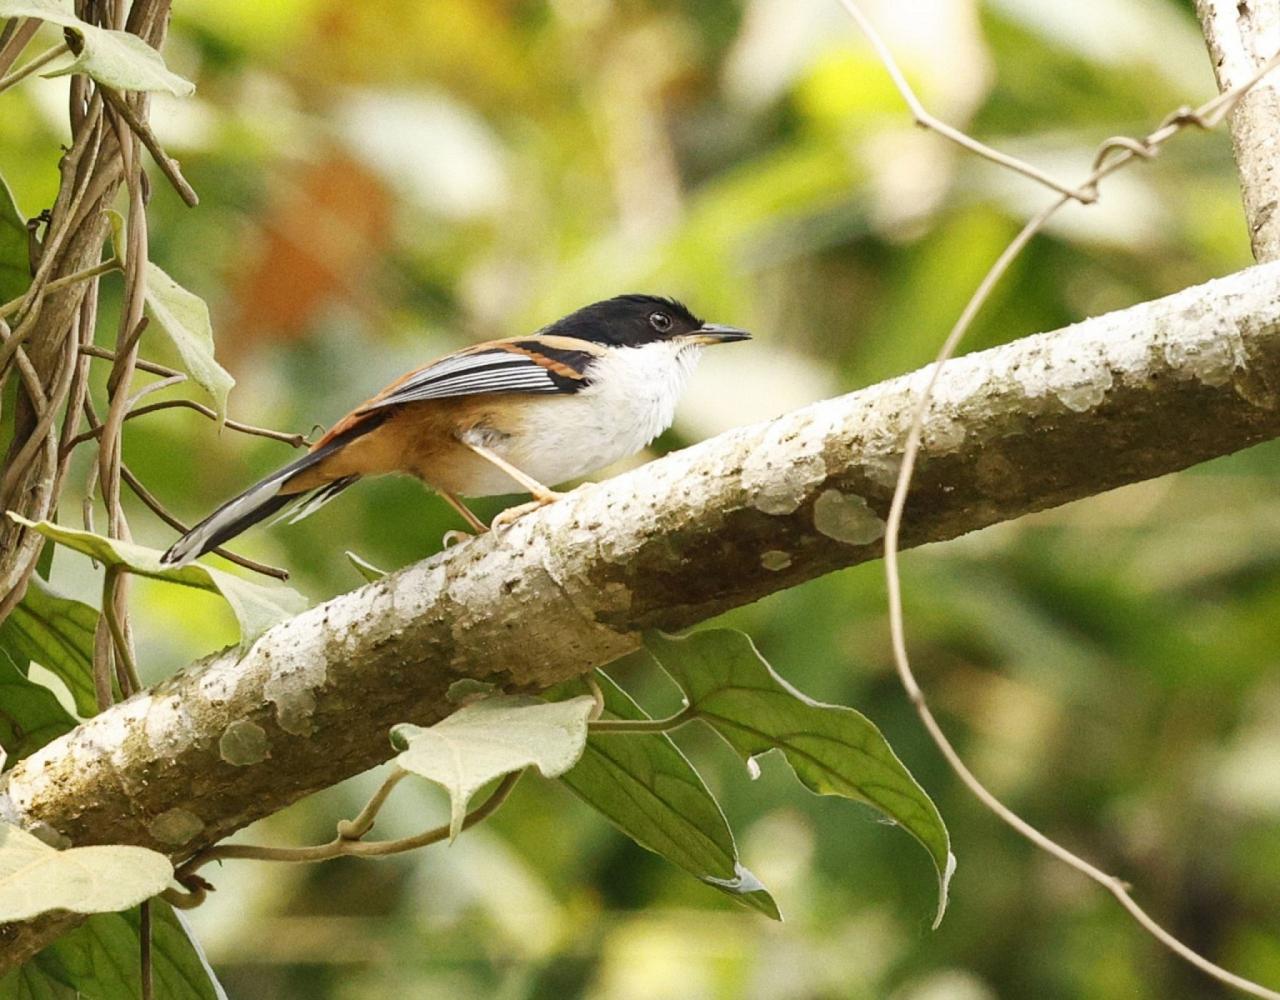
x: 305, y: 504
x: 263, y: 499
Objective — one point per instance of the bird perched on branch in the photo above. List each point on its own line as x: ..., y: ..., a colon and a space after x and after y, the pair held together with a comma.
x: 505, y: 416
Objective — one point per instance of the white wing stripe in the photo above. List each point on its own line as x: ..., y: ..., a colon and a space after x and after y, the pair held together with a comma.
x: 451, y: 366
x: 492, y: 371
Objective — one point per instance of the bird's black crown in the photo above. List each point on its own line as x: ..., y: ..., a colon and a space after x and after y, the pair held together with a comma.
x: 627, y: 321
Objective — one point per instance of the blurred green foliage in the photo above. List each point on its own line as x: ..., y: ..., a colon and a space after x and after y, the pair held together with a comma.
x: 381, y: 182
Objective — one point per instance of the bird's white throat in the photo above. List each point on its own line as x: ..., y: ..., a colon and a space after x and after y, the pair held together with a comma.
x: 631, y: 399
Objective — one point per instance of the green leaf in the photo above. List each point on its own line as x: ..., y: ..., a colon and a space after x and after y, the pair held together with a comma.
x: 114, y: 58
x: 185, y: 318
x: 99, y: 960
x: 30, y: 714
x: 648, y: 789
x: 490, y: 738
x: 36, y: 878
x: 366, y: 569
x: 256, y: 607
x: 57, y: 633
x: 15, y: 263
x: 832, y: 749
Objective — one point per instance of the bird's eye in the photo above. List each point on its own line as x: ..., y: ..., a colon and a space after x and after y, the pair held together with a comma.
x: 660, y: 321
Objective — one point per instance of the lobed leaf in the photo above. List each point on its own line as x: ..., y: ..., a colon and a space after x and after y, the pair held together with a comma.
x: 56, y: 632
x: 99, y: 960
x: 832, y: 749
x: 35, y: 878
x: 649, y: 790
x: 256, y: 607
x: 184, y: 316
x: 30, y: 714
x: 490, y: 738
x: 116, y: 59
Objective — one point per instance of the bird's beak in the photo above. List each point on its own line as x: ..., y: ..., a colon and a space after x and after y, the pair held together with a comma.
x: 716, y: 333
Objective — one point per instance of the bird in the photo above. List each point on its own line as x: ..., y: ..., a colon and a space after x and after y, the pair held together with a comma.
x: 500, y: 417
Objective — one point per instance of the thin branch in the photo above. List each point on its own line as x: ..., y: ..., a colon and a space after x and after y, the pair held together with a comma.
x: 292, y: 439
x: 341, y: 846
x: 94, y: 351
x: 9, y: 308
x: 926, y: 120
x: 15, y: 37
x: 167, y: 164
x: 144, y: 953
x: 131, y: 404
x: 1206, y: 116
x: 354, y: 829
x: 126, y: 666
x: 39, y: 62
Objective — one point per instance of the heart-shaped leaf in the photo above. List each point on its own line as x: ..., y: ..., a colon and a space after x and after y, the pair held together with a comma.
x: 184, y: 316
x: 648, y: 789
x: 117, y: 59
x: 487, y: 739
x: 832, y: 749
x: 256, y: 607
x: 56, y: 632
x: 35, y: 878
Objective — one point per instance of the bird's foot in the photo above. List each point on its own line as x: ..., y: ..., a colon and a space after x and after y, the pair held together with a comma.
x: 512, y: 514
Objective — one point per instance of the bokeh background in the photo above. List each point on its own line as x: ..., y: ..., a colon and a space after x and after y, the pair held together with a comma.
x: 384, y: 181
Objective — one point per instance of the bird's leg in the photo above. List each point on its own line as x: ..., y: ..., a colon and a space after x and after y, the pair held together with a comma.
x: 475, y: 522
x: 542, y: 495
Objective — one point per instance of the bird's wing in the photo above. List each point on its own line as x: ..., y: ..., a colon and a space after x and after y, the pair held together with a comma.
x: 524, y: 365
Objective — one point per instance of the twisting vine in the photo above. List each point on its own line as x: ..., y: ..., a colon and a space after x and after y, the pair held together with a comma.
x: 1112, y: 154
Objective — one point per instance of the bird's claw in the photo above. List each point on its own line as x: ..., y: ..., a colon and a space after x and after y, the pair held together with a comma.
x: 511, y: 514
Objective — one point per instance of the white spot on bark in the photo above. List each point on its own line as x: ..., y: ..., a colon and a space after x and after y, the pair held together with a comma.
x: 1208, y: 354
x: 244, y: 743
x: 846, y: 518
x: 168, y: 726
x: 219, y: 681
x: 775, y: 560
x: 780, y: 490
x: 175, y: 826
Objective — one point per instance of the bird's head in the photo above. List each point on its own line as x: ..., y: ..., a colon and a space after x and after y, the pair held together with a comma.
x: 639, y: 320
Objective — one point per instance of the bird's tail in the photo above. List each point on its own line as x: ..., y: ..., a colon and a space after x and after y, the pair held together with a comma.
x: 263, y: 499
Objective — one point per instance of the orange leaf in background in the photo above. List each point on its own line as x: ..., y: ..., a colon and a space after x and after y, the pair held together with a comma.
x: 320, y: 238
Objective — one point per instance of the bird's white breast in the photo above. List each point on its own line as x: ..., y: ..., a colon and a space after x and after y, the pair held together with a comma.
x: 631, y: 399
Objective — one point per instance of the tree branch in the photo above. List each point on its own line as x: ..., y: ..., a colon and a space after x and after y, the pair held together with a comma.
x: 1039, y: 422
x: 1242, y: 35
